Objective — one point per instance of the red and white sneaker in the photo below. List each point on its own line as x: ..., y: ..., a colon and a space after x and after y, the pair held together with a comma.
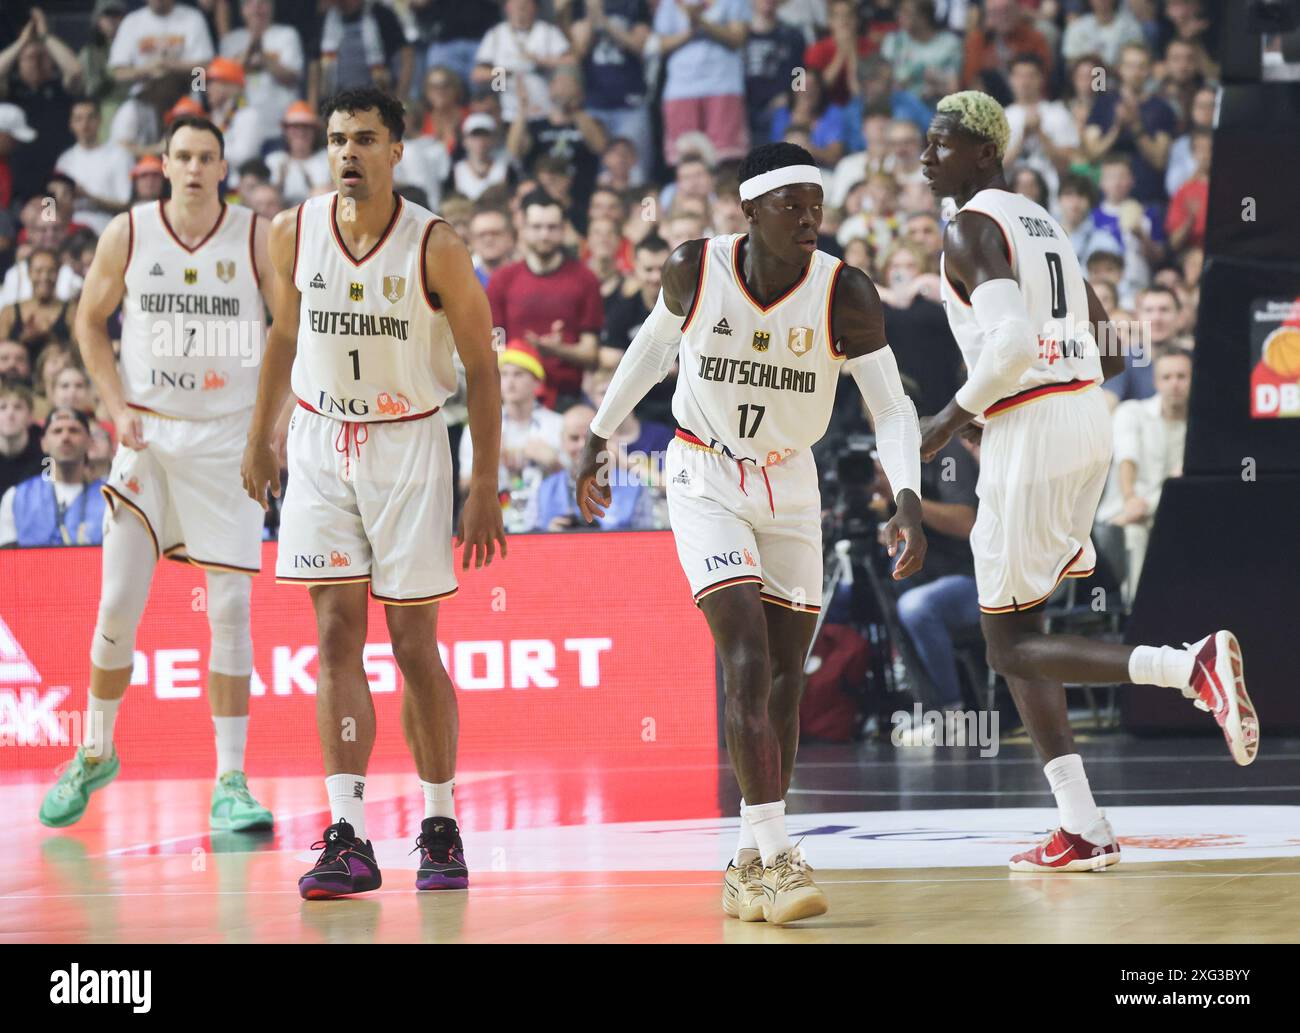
x: 1069, y: 852
x: 1219, y: 687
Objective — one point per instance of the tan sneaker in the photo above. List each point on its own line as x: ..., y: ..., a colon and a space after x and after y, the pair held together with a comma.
x: 788, y: 892
x: 742, y: 891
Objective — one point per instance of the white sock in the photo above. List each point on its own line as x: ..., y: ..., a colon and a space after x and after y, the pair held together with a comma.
x: 439, y: 799
x: 232, y: 734
x: 347, y: 801
x: 101, y: 715
x: 1069, y: 784
x: 1161, y: 665
x: 768, y: 822
x: 747, y: 845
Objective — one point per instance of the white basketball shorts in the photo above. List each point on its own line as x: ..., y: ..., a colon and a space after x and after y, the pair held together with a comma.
x: 369, y: 502
x: 1043, y: 465
x: 186, y: 488
x: 736, y: 523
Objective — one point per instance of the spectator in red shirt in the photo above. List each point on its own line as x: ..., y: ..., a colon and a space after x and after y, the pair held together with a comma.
x: 1185, y: 222
x: 835, y: 57
x: 550, y: 300
x: 1005, y: 31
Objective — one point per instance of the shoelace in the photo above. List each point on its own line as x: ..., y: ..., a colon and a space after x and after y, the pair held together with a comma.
x: 792, y: 870
x: 751, y: 871
x: 421, y: 844
x: 238, y: 788
x: 330, y: 849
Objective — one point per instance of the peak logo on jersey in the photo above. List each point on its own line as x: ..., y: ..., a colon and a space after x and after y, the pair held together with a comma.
x: 394, y: 288
x: 340, y: 559
x: 357, y: 292
x: 800, y: 341
x: 682, y: 478
x: 156, y: 270
x: 392, y: 406
x: 722, y: 327
x: 225, y: 271
x: 191, y: 276
x: 214, y: 380
x: 761, y: 340
x: 318, y: 282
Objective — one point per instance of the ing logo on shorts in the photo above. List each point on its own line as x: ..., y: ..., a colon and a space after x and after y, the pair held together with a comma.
x: 213, y: 380
x: 390, y: 405
x: 734, y: 558
x: 340, y: 559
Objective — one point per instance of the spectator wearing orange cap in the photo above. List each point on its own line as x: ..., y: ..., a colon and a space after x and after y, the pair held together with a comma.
x: 532, y: 437
x: 272, y: 58
x: 232, y: 115
x: 301, y: 167
x: 147, y: 179
x: 102, y: 172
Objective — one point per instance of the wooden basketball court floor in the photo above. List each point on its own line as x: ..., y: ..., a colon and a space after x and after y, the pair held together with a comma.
x: 910, y: 845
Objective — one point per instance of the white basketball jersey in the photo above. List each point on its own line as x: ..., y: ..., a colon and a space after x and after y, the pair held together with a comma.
x: 757, y: 381
x: 1047, y: 269
x: 193, y: 322
x: 372, y: 344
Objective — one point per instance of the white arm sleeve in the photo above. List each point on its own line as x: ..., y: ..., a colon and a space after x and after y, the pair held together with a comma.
x: 898, y: 434
x: 1010, y: 345
x: 646, y: 362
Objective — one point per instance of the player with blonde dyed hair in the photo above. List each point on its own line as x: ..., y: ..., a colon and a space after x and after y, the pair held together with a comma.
x: 1025, y: 318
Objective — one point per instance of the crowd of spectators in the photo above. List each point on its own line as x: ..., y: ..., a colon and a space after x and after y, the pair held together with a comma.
x: 574, y: 143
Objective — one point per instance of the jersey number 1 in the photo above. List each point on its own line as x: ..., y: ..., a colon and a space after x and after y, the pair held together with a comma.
x: 744, y: 415
x: 356, y: 364
x: 1057, y: 278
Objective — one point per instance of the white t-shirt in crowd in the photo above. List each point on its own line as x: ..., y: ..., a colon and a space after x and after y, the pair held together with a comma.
x: 471, y: 184
x: 18, y: 285
x: 426, y: 164
x: 503, y: 47
x: 297, y: 179
x: 242, y: 130
x: 1056, y: 123
x: 265, y: 94
x: 104, y: 171
x: 521, y: 512
x: 144, y: 38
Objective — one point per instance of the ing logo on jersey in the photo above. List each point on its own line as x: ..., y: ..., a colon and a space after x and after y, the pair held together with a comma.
x: 213, y: 380
x: 191, y: 276
x: 357, y: 292
x: 394, y: 288
x: 225, y: 271
x: 761, y: 340
x: 800, y: 341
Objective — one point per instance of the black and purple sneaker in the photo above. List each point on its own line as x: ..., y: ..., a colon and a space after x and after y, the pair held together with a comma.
x: 442, y: 856
x: 346, y: 865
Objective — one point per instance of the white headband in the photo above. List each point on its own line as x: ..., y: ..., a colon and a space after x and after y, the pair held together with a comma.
x: 765, y: 181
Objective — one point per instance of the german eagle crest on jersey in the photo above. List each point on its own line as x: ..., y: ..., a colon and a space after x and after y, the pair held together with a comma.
x: 761, y: 340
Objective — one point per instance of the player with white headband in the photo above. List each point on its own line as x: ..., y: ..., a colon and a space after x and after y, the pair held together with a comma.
x: 763, y: 324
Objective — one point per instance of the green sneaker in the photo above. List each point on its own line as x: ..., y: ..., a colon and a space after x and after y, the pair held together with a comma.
x: 233, y: 806
x: 66, y: 801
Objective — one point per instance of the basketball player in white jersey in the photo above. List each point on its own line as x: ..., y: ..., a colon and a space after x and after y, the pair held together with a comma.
x: 1026, y: 319
x: 373, y: 295
x: 763, y: 324
x: 189, y: 273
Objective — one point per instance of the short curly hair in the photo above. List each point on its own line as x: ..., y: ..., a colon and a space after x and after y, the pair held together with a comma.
x: 980, y: 115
